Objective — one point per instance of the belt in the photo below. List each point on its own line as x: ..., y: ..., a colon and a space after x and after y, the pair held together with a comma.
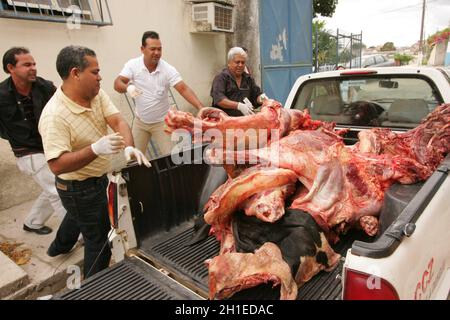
x: 25, y: 152
x: 74, y: 184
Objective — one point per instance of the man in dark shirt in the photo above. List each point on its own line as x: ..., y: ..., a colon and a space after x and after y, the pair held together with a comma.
x: 233, y: 90
x: 22, y: 97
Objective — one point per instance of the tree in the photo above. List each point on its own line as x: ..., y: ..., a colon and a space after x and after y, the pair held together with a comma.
x: 327, y: 46
x: 388, y: 46
x: 325, y: 8
x: 326, y: 43
x: 359, y: 46
x: 345, y: 56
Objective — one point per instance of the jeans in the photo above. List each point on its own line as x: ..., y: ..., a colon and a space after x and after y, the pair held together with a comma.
x: 87, y: 212
x: 48, y: 201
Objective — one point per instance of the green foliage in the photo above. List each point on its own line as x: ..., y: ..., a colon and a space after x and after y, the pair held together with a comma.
x: 388, y: 46
x: 359, y: 46
x: 326, y: 45
x: 325, y: 8
x: 345, y: 56
x: 403, y: 59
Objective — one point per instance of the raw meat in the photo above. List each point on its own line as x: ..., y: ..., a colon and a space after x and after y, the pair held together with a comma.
x: 232, y: 272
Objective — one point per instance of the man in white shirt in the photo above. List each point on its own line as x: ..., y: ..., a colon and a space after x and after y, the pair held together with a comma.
x: 148, y: 79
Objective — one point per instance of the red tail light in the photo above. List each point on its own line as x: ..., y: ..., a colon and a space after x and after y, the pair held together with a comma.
x: 362, y: 286
x: 112, y: 204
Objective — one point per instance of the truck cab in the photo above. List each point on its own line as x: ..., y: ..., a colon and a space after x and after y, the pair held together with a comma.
x: 357, y: 99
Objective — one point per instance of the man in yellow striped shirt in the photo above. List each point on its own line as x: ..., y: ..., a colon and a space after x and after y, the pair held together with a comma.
x: 77, y: 147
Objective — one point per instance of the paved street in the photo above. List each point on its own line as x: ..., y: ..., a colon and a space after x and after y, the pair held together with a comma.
x: 44, y: 275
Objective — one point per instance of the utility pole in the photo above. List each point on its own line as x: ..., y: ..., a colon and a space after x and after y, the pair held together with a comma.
x: 421, y: 46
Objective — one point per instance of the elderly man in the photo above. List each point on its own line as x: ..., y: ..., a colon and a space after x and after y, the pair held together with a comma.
x: 22, y: 98
x: 77, y: 147
x: 233, y: 90
x: 147, y: 79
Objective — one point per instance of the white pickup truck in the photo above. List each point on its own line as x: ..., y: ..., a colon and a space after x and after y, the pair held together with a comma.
x: 410, y: 259
x: 154, y: 209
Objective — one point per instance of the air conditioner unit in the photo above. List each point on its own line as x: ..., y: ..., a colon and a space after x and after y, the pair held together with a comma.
x: 224, y: 2
x: 216, y: 16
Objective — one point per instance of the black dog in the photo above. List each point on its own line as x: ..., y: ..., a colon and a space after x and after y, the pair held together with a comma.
x: 365, y: 113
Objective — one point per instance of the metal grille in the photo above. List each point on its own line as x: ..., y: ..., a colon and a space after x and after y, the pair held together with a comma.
x: 94, y: 12
x: 200, y: 13
x: 223, y: 18
x: 333, y: 51
x: 130, y: 279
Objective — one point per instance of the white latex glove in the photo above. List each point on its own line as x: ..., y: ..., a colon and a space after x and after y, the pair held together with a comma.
x: 246, y: 108
x: 137, y: 154
x: 133, y: 91
x: 109, y: 144
x: 263, y: 97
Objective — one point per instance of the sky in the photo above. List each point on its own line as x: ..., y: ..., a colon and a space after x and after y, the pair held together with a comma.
x: 382, y: 21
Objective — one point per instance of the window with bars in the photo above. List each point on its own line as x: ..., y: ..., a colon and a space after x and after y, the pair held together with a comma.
x: 94, y: 12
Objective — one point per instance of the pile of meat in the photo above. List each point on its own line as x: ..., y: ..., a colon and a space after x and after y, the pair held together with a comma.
x: 303, y: 165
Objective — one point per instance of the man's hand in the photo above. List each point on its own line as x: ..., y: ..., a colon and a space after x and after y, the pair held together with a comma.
x: 137, y: 154
x: 133, y: 91
x: 246, y: 108
x: 109, y: 144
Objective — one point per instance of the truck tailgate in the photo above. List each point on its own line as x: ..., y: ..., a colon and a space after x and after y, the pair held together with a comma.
x: 130, y: 279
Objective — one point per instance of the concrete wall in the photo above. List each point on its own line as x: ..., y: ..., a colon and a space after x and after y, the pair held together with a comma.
x: 438, y: 54
x: 198, y: 57
x: 247, y: 34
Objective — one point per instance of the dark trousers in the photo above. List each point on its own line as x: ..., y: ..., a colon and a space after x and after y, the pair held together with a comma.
x: 87, y: 212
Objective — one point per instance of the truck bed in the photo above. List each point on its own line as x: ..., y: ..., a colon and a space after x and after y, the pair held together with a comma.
x: 186, y: 264
x: 180, y: 201
x: 164, y: 201
x: 130, y: 279
x: 135, y: 279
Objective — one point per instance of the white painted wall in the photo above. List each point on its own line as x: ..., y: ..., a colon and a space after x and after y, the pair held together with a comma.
x: 198, y: 57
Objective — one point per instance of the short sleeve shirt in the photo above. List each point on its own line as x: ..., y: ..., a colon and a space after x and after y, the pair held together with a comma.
x: 225, y: 86
x: 153, y: 104
x: 66, y: 126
